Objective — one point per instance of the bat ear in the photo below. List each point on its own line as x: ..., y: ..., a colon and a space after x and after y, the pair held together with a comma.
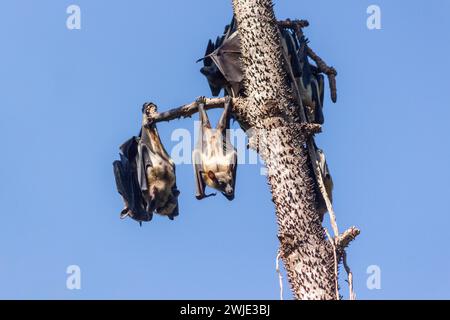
x: 211, y: 175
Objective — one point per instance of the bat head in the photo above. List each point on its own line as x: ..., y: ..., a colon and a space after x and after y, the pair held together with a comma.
x: 223, y: 182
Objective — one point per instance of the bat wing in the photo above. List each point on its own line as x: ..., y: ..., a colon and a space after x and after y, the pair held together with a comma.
x: 143, y: 161
x: 304, y: 62
x: 210, y: 70
x: 207, y: 61
x: 234, y: 170
x: 154, y: 143
x: 197, y: 159
x: 292, y: 52
x: 318, y: 113
x: 231, y: 28
x: 198, y: 168
x: 125, y: 174
x: 321, y: 81
x: 171, y: 207
x: 227, y: 58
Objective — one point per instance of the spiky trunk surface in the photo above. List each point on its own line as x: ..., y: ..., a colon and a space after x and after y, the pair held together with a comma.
x: 307, y: 255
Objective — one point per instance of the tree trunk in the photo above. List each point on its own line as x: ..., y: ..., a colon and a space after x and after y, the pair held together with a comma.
x: 279, y: 136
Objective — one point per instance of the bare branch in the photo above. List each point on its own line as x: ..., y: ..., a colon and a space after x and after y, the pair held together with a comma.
x: 352, y: 295
x: 344, y: 239
x: 293, y: 24
x: 329, y: 71
x: 185, y: 111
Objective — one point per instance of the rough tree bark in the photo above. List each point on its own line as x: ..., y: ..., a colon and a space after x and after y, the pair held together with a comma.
x: 277, y: 132
x: 307, y: 256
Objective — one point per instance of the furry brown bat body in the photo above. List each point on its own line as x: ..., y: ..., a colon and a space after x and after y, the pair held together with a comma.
x: 145, y: 175
x: 214, y: 158
x: 159, y: 183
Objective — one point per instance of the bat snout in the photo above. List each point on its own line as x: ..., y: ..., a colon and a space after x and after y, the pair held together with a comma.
x: 229, y: 192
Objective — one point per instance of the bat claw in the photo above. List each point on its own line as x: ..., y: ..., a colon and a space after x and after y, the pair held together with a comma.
x: 201, y: 99
x: 227, y: 99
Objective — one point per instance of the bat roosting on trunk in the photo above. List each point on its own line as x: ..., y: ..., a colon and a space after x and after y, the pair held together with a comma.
x: 222, y: 68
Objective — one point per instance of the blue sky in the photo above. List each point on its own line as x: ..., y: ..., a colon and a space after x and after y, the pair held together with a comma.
x: 68, y: 99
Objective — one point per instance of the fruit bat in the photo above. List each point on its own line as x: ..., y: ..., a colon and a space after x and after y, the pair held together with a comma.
x: 291, y: 48
x: 210, y: 70
x: 156, y: 170
x: 223, y: 70
x: 310, y: 84
x: 221, y: 64
x: 145, y: 175
x: 327, y: 180
x: 214, y: 157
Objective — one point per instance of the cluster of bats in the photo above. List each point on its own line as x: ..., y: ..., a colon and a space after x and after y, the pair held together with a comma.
x: 145, y: 174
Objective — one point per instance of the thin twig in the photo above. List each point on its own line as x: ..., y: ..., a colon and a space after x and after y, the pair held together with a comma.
x: 352, y: 295
x: 280, y: 277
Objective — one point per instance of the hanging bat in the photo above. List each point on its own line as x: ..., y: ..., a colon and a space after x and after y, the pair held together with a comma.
x: 214, y: 157
x: 156, y: 170
x: 222, y: 66
x: 307, y: 78
x: 223, y: 70
x: 327, y: 180
x: 125, y: 173
x: 311, y: 85
x: 291, y: 48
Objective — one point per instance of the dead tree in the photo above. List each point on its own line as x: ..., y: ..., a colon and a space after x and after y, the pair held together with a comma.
x: 281, y: 135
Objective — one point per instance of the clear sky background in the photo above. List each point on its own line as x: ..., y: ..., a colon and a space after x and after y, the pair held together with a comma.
x: 68, y: 99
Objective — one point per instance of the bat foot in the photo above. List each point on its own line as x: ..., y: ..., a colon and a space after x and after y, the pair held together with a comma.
x: 201, y: 100
x: 149, y: 108
x: 227, y: 99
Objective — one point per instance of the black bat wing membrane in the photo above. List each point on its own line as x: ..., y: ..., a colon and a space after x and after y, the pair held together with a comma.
x: 145, y: 178
x: 125, y: 173
x: 227, y: 59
